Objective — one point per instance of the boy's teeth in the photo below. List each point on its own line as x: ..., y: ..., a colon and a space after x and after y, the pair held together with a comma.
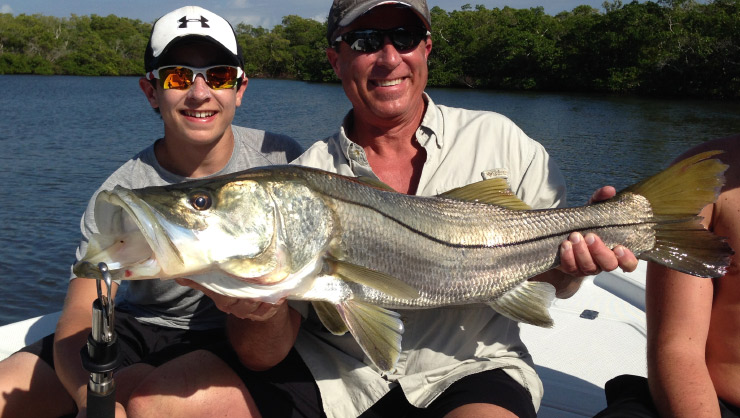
x: 200, y: 114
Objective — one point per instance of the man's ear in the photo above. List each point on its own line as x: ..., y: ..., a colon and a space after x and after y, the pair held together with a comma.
x: 149, y: 91
x: 333, y: 56
x: 428, y: 47
x: 240, y: 91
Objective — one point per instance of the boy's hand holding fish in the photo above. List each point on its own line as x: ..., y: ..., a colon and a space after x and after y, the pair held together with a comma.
x: 241, y: 308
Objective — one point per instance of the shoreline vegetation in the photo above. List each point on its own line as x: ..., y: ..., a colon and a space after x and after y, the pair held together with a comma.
x: 678, y: 48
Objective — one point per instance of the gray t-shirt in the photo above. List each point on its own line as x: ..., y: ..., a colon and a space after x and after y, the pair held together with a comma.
x: 164, y: 302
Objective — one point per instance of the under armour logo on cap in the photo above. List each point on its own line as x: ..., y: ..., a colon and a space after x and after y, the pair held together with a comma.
x: 184, y: 22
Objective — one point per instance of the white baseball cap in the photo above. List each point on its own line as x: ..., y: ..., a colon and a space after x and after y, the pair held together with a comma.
x: 191, y: 22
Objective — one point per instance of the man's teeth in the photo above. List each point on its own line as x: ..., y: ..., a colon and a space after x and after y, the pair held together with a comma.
x: 199, y: 114
x: 388, y: 83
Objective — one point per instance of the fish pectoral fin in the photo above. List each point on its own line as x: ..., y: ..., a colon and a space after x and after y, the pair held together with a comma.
x: 377, y: 330
x: 528, y: 303
x: 330, y: 317
x: 371, y: 278
x: 492, y: 191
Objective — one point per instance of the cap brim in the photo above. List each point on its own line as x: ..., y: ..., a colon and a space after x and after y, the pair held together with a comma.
x: 228, y: 57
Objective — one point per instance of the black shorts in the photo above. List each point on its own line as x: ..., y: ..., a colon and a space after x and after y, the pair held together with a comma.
x: 141, y: 343
x: 289, y: 390
x: 491, y: 387
x: 628, y: 395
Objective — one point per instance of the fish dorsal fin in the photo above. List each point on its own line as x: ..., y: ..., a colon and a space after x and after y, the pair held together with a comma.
x: 371, y: 278
x: 528, y: 303
x: 492, y: 191
x: 370, y: 181
x: 377, y: 330
x: 330, y: 317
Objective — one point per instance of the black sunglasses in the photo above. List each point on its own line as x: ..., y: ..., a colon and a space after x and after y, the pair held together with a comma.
x: 371, y: 40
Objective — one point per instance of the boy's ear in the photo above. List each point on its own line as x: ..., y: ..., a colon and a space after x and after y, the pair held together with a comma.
x: 240, y: 91
x: 149, y: 91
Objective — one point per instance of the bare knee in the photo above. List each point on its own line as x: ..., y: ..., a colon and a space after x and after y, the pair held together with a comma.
x: 196, y: 384
x: 30, y: 387
x: 128, y: 378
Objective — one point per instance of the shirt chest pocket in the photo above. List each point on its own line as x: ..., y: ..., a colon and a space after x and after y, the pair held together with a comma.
x: 495, y: 173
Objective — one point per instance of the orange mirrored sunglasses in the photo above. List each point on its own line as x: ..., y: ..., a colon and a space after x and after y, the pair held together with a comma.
x: 181, y: 77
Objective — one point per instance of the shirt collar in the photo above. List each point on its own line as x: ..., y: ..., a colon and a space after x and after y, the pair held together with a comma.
x: 431, y: 128
x: 432, y: 125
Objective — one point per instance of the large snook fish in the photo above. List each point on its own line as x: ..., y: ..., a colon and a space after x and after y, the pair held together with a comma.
x: 356, y: 249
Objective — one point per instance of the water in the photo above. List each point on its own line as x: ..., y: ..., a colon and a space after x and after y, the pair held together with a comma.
x: 60, y: 137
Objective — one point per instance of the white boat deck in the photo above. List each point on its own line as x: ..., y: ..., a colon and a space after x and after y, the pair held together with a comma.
x: 598, y: 334
x: 579, y: 355
x: 19, y: 334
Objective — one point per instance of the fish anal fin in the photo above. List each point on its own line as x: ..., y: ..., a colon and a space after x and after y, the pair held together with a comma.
x: 377, y: 330
x: 371, y: 278
x: 330, y: 317
x: 494, y: 191
x: 528, y: 303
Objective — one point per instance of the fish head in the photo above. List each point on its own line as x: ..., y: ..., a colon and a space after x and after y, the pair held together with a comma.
x: 184, y: 229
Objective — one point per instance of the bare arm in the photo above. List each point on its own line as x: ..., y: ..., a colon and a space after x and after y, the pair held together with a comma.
x: 261, y: 334
x: 71, y: 336
x: 678, y: 308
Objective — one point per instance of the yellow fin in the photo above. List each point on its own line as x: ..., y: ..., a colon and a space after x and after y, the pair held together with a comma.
x: 377, y: 330
x: 371, y: 278
x: 330, y: 317
x: 492, y: 191
x: 684, y: 188
x: 528, y: 303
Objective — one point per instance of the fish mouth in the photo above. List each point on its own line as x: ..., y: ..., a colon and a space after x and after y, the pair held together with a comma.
x: 133, y: 240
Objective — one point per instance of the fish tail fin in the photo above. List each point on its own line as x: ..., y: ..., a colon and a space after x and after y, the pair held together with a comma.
x: 528, y: 303
x: 377, y: 330
x: 676, y: 196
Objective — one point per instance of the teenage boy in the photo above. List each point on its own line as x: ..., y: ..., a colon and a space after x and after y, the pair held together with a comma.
x: 195, y: 80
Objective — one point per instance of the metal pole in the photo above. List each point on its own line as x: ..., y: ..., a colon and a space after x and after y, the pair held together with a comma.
x: 100, y: 356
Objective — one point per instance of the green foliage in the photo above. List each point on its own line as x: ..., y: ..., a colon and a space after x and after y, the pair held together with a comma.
x: 663, y: 47
x: 82, y: 45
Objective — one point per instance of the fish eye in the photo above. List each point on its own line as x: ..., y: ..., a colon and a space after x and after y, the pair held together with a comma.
x: 201, y: 201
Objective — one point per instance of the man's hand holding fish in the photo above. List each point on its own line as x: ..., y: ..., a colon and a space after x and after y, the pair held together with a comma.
x: 582, y: 256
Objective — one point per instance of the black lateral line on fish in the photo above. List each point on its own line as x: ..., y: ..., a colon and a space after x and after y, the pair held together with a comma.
x: 480, y: 246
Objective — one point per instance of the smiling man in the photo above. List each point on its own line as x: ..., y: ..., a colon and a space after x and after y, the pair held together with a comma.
x: 458, y: 361
x: 195, y: 80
